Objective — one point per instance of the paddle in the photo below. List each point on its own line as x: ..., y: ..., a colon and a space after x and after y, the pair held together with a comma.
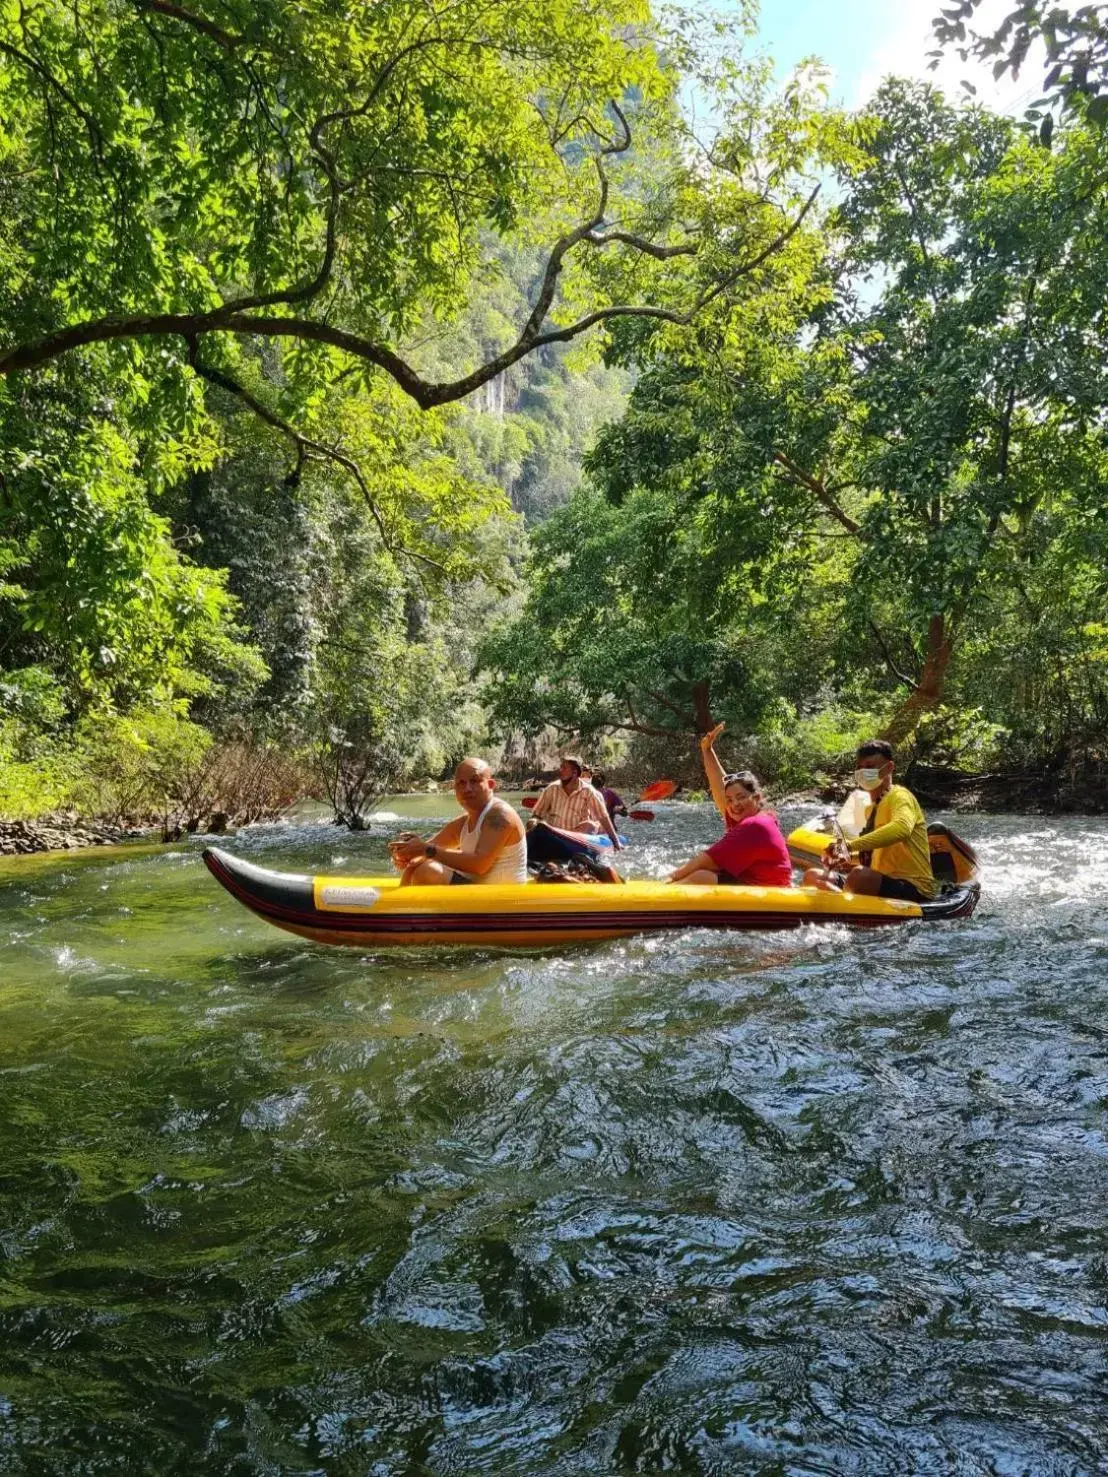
x: 640, y: 815
x: 659, y: 790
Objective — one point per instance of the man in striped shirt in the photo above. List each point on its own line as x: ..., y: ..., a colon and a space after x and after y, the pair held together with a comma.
x: 574, y: 806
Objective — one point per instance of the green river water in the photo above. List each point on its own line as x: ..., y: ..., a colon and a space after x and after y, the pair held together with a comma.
x: 817, y: 1202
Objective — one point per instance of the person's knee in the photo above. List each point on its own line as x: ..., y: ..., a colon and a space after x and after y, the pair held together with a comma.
x: 424, y: 874
x: 705, y: 877
x: 864, y: 882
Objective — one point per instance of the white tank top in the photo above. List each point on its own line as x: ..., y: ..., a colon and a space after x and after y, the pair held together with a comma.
x: 510, y: 865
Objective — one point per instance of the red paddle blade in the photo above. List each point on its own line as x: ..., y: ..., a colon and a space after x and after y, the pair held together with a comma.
x: 659, y: 790
x: 529, y: 802
x: 640, y: 815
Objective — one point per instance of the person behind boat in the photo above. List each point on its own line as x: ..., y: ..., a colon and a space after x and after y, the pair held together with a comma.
x: 589, y: 778
x: 891, y: 858
x: 485, y: 844
x: 572, y: 805
x: 752, y: 851
x: 613, y: 801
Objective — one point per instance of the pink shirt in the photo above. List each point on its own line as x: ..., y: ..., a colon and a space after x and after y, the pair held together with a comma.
x: 754, y: 851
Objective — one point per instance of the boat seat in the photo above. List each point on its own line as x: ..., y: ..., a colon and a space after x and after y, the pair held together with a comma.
x: 953, y: 860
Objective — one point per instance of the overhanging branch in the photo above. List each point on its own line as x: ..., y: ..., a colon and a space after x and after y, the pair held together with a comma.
x: 641, y: 244
x: 242, y: 318
x: 909, y: 682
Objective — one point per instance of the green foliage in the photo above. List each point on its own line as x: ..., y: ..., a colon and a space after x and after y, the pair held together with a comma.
x: 158, y: 764
x: 150, y: 765
x: 1075, y: 40
x: 849, y: 483
x: 94, y: 586
x: 851, y: 486
x: 37, y: 775
x: 125, y: 769
x: 336, y: 165
x: 140, y: 765
x: 32, y: 695
x: 605, y: 642
x: 790, y: 750
x: 527, y: 430
x: 387, y: 709
x: 392, y: 638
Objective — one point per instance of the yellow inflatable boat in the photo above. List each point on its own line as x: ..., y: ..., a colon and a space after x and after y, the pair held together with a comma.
x: 375, y: 911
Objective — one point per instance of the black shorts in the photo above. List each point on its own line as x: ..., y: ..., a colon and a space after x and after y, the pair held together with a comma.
x: 459, y: 879
x: 897, y: 887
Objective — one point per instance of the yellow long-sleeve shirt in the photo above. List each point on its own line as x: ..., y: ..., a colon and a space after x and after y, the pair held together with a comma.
x: 898, y: 840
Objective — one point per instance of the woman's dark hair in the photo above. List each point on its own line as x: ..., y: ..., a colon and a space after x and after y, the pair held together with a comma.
x: 745, y: 777
x: 877, y: 747
x: 599, y: 778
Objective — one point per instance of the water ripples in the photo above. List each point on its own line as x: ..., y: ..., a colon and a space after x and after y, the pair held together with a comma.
x: 821, y: 1202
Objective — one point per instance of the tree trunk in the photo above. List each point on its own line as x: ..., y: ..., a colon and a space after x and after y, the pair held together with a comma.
x: 702, y: 710
x: 928, y: 691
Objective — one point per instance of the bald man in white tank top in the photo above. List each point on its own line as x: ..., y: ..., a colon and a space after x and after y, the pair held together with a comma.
x: 485, y: 844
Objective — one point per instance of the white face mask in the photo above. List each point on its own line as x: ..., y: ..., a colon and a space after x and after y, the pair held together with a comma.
x: 869, y: 779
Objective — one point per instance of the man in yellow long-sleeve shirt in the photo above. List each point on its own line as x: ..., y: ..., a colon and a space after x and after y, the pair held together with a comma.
x: 891, y: 858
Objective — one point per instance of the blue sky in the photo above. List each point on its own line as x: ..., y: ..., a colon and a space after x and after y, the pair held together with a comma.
x: 864, y: 40
x: 847, y: 34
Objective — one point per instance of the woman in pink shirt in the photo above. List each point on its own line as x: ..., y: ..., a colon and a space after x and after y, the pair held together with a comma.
x: 752, y: 850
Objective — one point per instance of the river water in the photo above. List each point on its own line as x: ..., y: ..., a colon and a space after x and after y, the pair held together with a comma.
x: 789, y: 1203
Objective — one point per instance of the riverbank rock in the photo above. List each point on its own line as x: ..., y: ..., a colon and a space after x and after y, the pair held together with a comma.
x: 58, y: 833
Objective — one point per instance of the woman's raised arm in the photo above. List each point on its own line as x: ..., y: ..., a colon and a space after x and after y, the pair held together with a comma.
x: 713, y: 769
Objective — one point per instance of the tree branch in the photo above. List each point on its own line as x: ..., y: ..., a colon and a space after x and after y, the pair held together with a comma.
x: 96, y: 138
x: 206, y: 27
x: 640, y: 243
x: 305, y: 446
x: 909, y: 682
x: 687, y: 718
x: 238, y: 317
x: 917, y: 223
x: 635, y: 726
x: 814, y: 485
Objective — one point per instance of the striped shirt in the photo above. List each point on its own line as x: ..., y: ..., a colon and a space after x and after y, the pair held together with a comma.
x: 584, y: 810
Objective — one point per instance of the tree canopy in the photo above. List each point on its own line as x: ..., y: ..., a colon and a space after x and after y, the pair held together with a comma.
x: 872, y: 453
x: 320, y: 176
x: 345, y: 348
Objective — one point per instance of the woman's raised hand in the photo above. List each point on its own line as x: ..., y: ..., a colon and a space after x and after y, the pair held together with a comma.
x: 707, y: 740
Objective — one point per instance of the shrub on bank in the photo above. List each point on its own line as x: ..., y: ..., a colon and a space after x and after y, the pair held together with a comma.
x: 788, y: 752
x: 791, y: 752
x: 34, y: 779
x: 148, y: 768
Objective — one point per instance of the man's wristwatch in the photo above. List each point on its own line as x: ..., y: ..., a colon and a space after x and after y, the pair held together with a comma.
x: 430, y: 850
